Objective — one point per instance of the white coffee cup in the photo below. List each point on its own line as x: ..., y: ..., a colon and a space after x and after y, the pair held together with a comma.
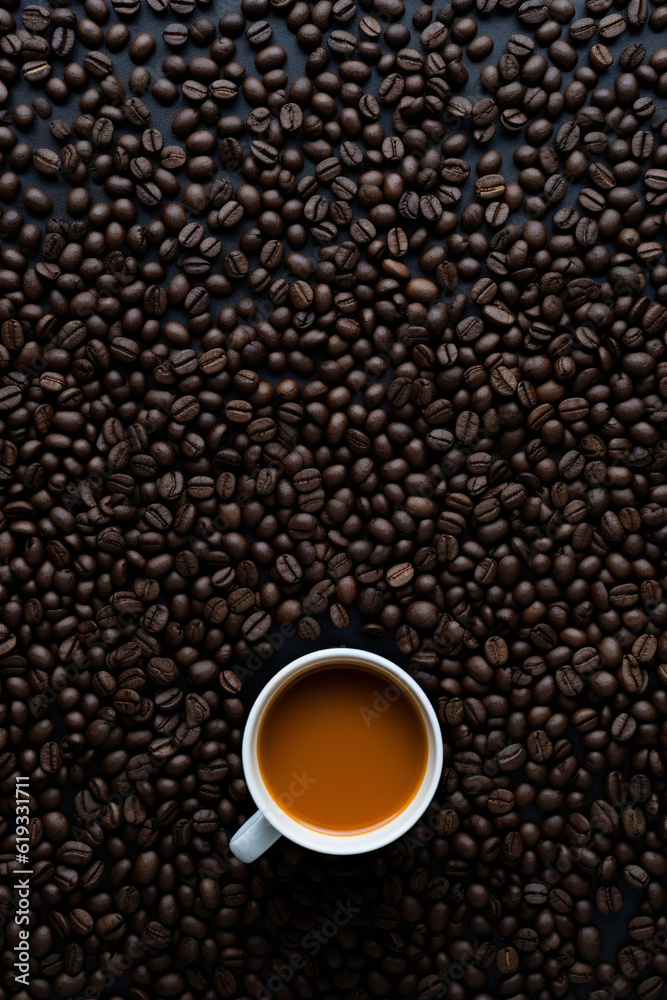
x: 271, y: 821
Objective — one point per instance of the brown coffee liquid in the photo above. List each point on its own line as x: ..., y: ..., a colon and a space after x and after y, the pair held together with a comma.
x: 342, y: 749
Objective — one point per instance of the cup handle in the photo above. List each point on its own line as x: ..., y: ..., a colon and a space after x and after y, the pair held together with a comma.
x: 255, y: 836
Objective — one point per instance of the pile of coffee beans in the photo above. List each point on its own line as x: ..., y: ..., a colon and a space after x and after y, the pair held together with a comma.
x: 334, y: 322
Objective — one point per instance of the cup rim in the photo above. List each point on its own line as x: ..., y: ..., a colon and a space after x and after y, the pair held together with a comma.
x: 342, y: 843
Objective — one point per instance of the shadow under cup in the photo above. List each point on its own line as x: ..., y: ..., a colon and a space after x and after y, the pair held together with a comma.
x: 342, y: 748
